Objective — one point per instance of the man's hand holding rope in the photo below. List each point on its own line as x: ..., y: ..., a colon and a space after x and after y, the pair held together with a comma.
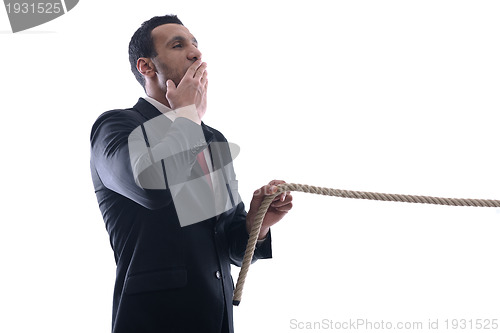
x: 278, y: 208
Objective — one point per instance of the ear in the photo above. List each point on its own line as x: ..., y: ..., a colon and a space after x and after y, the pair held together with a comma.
x: 146, y: 67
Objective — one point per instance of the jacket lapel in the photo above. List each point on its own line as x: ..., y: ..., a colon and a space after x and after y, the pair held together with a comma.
x: 146, y: 109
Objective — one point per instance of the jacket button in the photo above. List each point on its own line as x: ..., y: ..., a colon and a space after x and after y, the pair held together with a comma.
x: 218, y: 275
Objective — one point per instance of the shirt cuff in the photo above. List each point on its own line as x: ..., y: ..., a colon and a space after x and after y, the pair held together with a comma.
x: 260, y: 241
x: 188, y: 112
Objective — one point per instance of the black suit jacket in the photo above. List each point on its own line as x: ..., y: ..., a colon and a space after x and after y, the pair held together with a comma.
x: 169, y: 278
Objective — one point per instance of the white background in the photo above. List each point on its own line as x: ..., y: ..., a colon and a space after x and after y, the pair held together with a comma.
x: 387, y: 96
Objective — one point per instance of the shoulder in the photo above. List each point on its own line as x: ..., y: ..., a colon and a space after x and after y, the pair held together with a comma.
x: 118, y: 115
x: 122, y: 120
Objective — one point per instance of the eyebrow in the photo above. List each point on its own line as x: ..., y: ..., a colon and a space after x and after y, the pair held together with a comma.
x: 181, y: 39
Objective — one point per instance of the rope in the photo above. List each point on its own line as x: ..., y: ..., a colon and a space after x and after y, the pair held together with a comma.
x: 254, y: 233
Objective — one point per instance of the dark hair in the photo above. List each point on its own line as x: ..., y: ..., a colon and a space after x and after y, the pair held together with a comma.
x: 141, y: 44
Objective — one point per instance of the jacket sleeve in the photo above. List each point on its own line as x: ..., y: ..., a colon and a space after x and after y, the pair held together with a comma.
x: 235, y: 229
x: 130, y: 157
x: 238, y: 239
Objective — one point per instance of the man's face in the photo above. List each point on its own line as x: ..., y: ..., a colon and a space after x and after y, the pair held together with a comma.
x: 177, y: 49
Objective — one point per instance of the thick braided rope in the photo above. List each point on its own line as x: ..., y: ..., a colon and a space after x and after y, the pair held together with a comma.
x: 254, y: 233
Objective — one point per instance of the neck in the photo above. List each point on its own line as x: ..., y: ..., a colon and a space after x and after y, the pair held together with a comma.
x: 158, y: 94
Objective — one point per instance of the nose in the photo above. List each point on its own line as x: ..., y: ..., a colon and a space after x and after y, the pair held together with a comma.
x: 194, y: 53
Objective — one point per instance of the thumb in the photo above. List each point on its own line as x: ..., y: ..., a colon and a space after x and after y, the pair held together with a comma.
x: 171, y: 85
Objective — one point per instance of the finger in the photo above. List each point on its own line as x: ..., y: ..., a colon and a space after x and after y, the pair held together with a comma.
x: 200, y: 71
x: 276, y: 182
x: 270, y: 189
x: 265, y: 191
x: 282, y: 196
x: 280, y: 203
x: 257, y: 198
x: 204, y: 79
x: 170, y: 88
x: 285, y: 208
x: 191, y: 71
x: 260, y: 194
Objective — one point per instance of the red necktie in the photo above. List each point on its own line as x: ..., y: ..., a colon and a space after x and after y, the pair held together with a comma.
x: 203, y: 163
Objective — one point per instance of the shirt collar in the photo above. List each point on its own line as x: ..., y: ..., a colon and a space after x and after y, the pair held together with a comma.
x: 168, y: 112
x: 172, y: 115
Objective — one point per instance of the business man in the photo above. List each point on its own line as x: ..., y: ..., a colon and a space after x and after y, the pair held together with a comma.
x: 157, y: 170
